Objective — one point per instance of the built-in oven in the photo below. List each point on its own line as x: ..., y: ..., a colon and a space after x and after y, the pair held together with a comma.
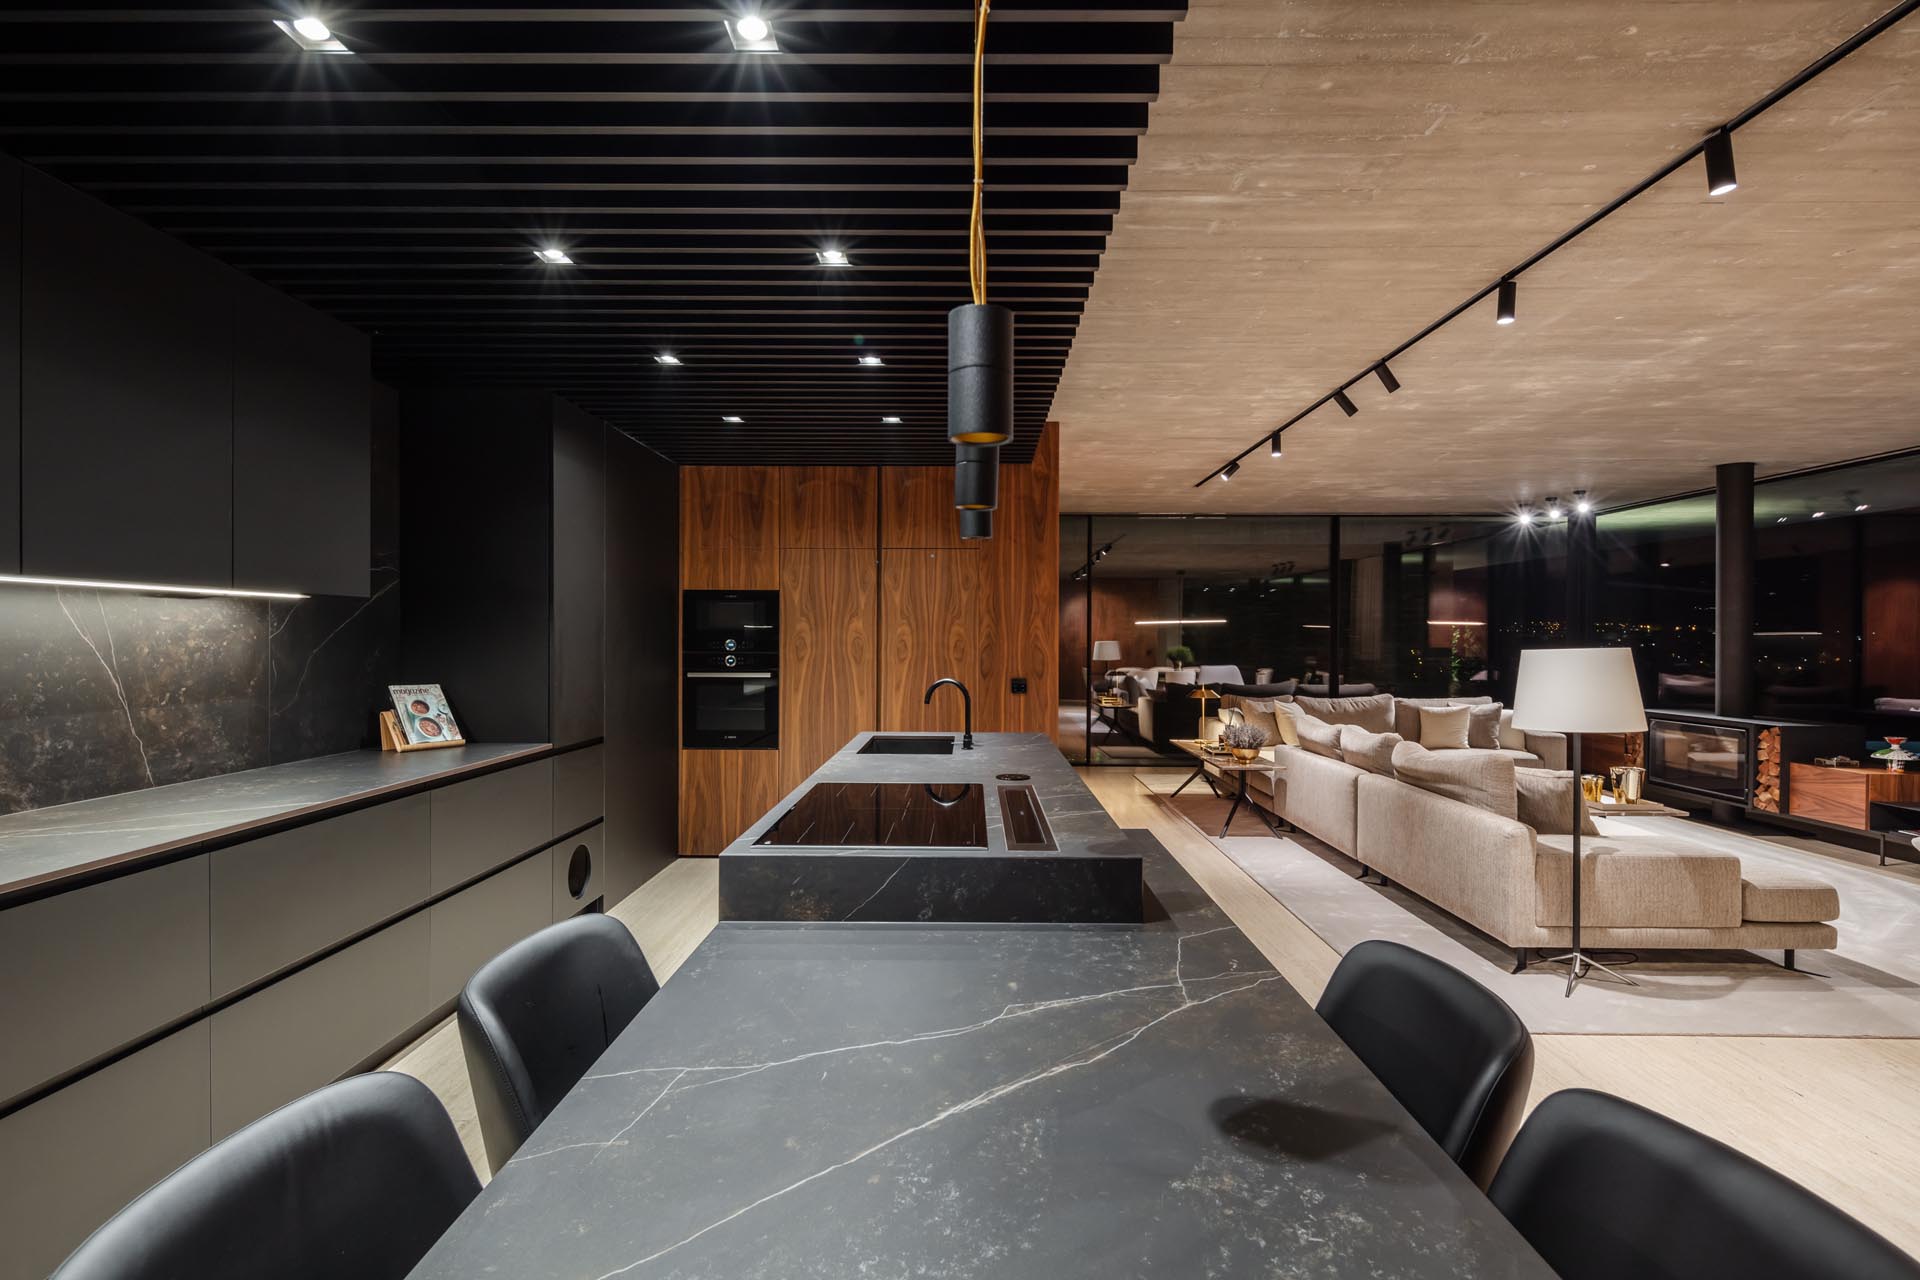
x: 730, y: 671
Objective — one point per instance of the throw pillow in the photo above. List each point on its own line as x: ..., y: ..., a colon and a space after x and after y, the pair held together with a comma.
x: 1483, y: 779
x: 1483, y: 726
x: 1406, y: 712
x: 1511, y: 739
x: 1444, y: 728
x: 1371, y: 751
x: 1544, y: 800
x: 1319, y: 737
x: 1287, y: 718
x: 1374, y: 714
x: 1262, y: 714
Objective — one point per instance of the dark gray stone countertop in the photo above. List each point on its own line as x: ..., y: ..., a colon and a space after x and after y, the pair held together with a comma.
x: 827, y: 1101
x: 1080, y: 826
x: 40, y: 848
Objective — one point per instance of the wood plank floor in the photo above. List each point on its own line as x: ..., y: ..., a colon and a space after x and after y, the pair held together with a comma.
x: 1840, y: 1116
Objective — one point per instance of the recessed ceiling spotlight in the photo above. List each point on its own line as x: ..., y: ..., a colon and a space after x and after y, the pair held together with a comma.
x: 872, y: 362
x: 1524, y: 516
x: 1553, y: 508
x: 751, y: 34
x: 890, y: 421
x: 1228, y: 473
x: 1780, y: 520
x: 831, y: 257
x: 311, y: 34
x: 553, y: 257
x: 666, y: 359
x: 1666, y: 564
x: 1860, y: 506
x: 1819, y: 515
x: 731, y: 419
x: 1581, y: 502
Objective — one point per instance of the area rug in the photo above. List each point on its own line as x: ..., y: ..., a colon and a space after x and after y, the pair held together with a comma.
x: 1870, y: 986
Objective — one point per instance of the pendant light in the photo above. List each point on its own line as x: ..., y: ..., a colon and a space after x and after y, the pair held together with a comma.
x: 976, y: 525
x: 979, y: 335
x: 976, y: 477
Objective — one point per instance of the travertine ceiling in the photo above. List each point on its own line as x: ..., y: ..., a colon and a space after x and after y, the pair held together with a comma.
x: 1321, y: 180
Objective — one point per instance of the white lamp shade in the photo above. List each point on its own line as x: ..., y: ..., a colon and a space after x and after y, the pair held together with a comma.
x: 1106, y: 651
x: 1578, y: 691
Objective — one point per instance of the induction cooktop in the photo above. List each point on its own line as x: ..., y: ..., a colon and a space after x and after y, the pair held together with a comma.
x: 885, y: 815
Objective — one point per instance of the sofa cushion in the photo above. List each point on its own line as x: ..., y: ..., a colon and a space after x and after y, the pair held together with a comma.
x: 1319, y: 737
x: 1527, y: 760
x: 1266, y: 715
x: 1634, y: 883
x: 1785, y: 897
x: 1544, y: 799
x: 1371, y: 751
x: 1406, y: 712
x: 1284, y: 689
x: 1511, y: 739
x: 1483, y: 779
x: 1374, y: 714
x: 1483, y: 726
x: 1444, y: 728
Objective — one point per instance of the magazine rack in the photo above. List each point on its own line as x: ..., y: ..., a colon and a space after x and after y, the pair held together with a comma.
x: 391, y: 739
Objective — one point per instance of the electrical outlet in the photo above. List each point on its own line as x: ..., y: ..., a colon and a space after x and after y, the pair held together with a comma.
x: 1019, y: 684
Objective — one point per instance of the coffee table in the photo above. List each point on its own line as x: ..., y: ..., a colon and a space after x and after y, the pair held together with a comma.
x: 1228, y: 766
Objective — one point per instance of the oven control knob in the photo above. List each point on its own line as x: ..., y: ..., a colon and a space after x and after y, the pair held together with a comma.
x: 732, y: 661
x: 731, y: 644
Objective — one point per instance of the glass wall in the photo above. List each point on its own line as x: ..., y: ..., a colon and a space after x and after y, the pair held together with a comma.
x: 1654, y: 593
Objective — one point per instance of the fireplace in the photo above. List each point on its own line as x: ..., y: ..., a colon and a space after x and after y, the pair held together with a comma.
x: 1712, y: 759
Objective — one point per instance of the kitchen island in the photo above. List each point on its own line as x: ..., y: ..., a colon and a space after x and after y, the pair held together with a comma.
x: 1003, y: 833
x: 826, y: 1100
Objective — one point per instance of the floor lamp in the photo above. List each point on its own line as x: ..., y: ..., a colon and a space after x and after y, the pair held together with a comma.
x: 1576, y: 691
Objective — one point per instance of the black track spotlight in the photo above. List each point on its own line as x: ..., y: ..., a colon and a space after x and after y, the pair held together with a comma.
x: 1720, y: 179
x: 1387, y: 380
x: 1509, y: 294
x: 1346, y: 403
x: 1229, y: 471
x: 976, y: 526
x: 976, y: 477
x: 1273, y: 446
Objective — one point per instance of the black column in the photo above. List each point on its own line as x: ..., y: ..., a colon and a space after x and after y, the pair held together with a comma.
x: 1583, y: 577
x: 1336, y: 583
x: 1733, y: 589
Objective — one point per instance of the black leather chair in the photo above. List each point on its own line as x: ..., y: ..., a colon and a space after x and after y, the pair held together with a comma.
x: 1450, y: 1050
x: 353, y: 1182
x: 1604, y: 1189
x: 536, y: 1016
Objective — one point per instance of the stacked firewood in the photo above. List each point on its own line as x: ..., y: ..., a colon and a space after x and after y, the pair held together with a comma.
x: 1766, y: 772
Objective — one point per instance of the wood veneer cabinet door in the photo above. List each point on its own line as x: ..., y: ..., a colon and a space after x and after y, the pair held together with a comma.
x: 829, y: 669
x: 71, y: 1160
x: 916, y: 508
x: 126, y: 397
x: 722, y: 793
x: 930, y: 605
x: 729, y: 528
x: 828, y: 506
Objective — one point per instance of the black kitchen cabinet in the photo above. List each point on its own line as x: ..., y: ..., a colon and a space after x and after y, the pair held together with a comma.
x: 505, y: 601
x: 302, y: 414
x: 9, y: 366
x: 126, y: 403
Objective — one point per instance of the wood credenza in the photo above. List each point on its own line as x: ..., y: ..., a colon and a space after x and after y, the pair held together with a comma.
x: 1843, y: 796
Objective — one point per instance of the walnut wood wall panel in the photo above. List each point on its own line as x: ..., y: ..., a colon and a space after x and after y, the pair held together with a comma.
x: 829, y: 669
x: 916, y: 507
x: 1116, y: 604
x: 864, y: 631
x: 828, y: 506
x: 930, y: 601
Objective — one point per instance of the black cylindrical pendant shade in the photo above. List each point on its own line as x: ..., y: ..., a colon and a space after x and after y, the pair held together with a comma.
x: 980, y: 374
x: 976, y: 477
x: 975, y: 525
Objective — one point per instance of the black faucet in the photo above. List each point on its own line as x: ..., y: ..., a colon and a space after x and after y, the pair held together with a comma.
x: 966, y: 742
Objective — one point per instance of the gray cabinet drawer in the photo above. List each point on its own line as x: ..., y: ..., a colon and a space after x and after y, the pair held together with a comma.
x: 84, y: 972
x: 314, y: 1026
x: 482, y: 822
x: 578, y: 871
x: 278, y: 900
x: 479, y: 922
x: 579, y: 789
x: 71, y: 1160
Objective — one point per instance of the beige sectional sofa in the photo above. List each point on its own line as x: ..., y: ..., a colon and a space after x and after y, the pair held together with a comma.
x: 1502, y: 877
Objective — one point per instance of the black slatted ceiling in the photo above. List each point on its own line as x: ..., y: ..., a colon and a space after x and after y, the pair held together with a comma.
x: 404, y: 189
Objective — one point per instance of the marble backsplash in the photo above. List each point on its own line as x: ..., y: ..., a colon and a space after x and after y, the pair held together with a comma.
x: 110, y: 691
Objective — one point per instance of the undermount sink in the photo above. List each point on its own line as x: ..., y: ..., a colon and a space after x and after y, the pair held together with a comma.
x: 894, y: 745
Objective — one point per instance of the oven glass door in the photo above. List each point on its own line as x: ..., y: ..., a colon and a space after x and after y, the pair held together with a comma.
x: 731, y: 709
x: 732, y: 621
